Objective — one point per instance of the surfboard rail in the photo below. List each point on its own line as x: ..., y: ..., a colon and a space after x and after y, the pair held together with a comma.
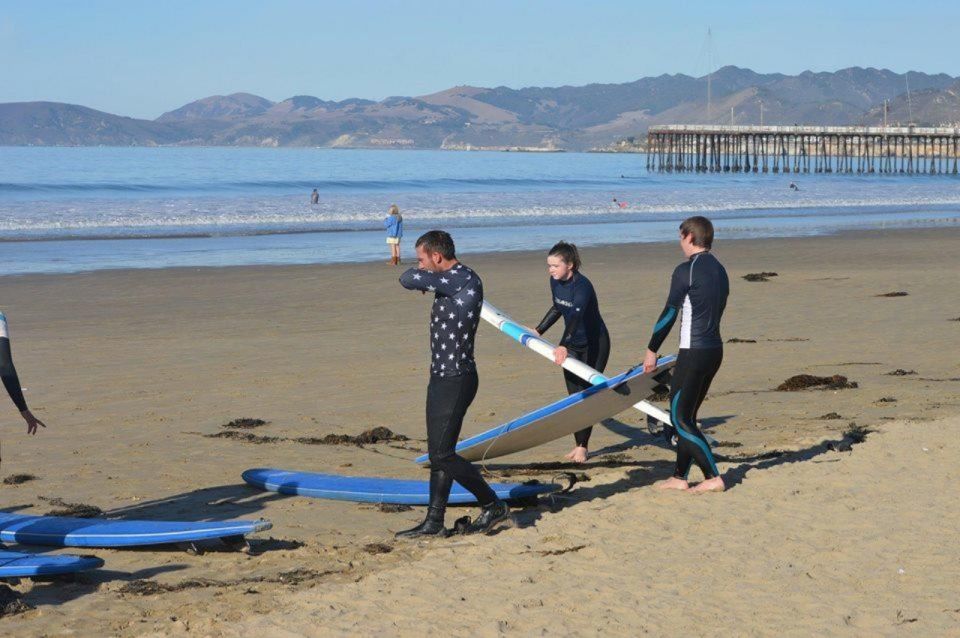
x: 97, y: 532
x: 368, y: 489
x: 23, y: 565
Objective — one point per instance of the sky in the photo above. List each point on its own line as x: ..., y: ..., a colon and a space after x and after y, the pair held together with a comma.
x: 142, y: 59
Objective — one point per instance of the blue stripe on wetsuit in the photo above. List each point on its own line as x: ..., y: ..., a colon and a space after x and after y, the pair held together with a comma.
x: 681, y: 432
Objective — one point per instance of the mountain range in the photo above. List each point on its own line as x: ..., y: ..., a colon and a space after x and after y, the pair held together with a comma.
x: 534, y: 118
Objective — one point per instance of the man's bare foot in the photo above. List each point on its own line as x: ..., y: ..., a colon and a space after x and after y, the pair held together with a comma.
x: 710, y: 485
x: 578, y: 455
x: 672, y: 483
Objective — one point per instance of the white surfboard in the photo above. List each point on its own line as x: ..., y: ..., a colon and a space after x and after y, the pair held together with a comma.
x: 526, y: 337
x: 606, y: 399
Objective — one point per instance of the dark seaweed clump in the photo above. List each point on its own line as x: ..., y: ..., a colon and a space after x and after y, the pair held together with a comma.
x: 805, y: 381
x: 853, y: 435
x: 293, y: 577
x: 73, y: 510
x: 898, y: 293
x: 393, y: 508
x: 245, y: 423
x: 760, y: 276
x: 900, y: 372
x: 246, y: 437
x: 17, y: 479
x: 377, y: 548
x: 739, y: 340
x: 10, y: 602
x: 375, y: 435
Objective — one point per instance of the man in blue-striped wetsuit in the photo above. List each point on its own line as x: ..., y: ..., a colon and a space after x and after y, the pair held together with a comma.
x: 8, y: 374
x: 698, y: 296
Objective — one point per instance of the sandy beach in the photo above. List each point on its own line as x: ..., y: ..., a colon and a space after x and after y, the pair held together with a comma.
x: 135, y: 372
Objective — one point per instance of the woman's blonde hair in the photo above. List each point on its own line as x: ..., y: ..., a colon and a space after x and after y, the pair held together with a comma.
x: 394, y: 210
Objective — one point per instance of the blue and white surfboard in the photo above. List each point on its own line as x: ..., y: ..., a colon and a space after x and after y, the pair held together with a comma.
x: 604, y: 400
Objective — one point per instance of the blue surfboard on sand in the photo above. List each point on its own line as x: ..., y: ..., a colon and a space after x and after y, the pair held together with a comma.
x: 19, y: 565
x: 94, y: 532
x: 376, y: 490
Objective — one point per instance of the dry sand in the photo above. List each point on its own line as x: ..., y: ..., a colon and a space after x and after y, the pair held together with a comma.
x: 131, y: 369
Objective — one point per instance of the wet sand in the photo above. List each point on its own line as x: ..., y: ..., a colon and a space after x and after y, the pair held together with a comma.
x: 133, y: 369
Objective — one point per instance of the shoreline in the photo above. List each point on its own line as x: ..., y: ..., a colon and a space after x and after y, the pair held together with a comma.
x: 483, y: 255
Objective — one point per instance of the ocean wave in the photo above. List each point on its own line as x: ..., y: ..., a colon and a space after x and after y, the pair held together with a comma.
x: 339, y: 185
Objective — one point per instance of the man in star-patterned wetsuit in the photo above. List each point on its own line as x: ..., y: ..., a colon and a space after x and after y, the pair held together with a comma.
x: 458, y: 298
x: 454, y: 318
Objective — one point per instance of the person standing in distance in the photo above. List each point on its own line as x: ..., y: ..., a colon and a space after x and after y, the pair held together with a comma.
x: 457, y: 300
x: 394, y: 225
x: 698, y: 296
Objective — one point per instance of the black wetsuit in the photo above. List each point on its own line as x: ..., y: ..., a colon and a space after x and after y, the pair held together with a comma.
x: 458, y: 297
x: 585, y: 335
x: 698, y: 294
x: 7, y: 372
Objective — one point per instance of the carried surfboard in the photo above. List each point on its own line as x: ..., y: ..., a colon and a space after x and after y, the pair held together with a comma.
x: 601, y: 401
x: 20, y: 565
x: 531, y: 340
x: 377, y: 490
x: 93, y: 532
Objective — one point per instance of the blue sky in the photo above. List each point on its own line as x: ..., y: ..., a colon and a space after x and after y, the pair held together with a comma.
x: 142, y: 58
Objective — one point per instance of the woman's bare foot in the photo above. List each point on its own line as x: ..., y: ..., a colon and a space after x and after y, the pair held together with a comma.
x: 578, y: 454
x: 715, y: 484
x: 672, y: 483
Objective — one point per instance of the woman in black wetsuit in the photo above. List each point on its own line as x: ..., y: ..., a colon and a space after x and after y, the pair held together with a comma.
x: 585, y: 336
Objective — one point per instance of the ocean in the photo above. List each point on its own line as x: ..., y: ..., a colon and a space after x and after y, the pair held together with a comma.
x: 81, y: 209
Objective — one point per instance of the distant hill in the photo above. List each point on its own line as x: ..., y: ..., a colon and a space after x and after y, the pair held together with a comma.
x: 53, y: 123
x: 237, y: 105
x: 930, y: 107
x: 544, y: 118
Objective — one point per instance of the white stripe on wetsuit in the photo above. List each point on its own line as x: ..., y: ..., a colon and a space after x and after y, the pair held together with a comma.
x: 686, y: 317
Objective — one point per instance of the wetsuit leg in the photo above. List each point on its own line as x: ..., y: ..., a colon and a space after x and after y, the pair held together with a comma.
x: 692, y: 376
x: 447, y: 401
x: 595, y: 356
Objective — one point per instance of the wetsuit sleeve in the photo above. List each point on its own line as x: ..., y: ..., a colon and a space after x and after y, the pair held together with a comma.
x: 583, y: 295
x: 548, y: 320
x: 444, y: 283
x: 679, y: 286
x: 9, y: 374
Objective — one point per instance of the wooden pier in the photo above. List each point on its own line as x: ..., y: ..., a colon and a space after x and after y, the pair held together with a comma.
x: 803, y: 149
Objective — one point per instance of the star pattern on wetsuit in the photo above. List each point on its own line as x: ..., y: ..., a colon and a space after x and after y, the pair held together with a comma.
x: 454, y: 318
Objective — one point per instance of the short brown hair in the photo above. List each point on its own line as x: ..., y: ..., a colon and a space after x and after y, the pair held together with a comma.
x: 438, y: 241
x: 701, y: 228
x: 567, y: 252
